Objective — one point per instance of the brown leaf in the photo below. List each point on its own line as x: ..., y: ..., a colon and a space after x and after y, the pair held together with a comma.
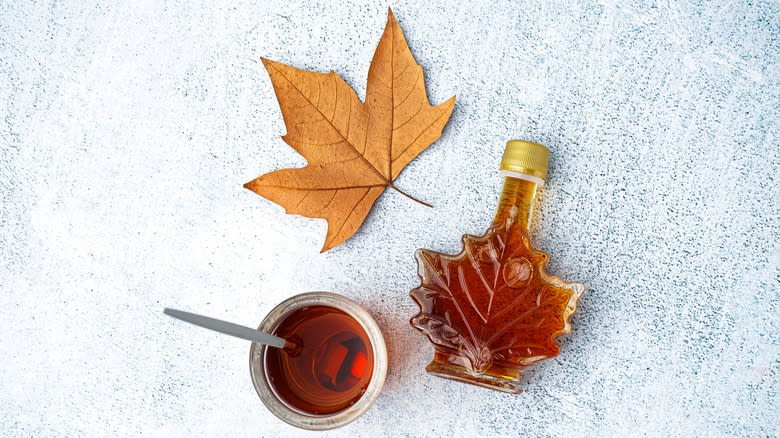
x: 354, y: 150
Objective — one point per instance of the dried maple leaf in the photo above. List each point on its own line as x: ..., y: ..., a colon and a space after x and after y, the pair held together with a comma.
x: 354, y: 150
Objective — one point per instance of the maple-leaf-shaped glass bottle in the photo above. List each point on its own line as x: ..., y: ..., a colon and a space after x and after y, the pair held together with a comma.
x: 491, y: 309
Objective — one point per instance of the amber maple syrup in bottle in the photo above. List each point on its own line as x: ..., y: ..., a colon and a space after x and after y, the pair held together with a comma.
x: 492, y: 309
x: 332, y: 364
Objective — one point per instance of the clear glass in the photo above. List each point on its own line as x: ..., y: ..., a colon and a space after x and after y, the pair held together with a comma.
x: 492, y: 309
x: 294, y: 417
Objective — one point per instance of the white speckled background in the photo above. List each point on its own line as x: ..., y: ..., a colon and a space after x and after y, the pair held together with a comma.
x: 128, y: 128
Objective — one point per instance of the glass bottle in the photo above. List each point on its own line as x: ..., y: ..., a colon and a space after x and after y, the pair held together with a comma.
x: 491, y: 309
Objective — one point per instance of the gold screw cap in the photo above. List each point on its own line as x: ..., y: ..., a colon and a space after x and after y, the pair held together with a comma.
x: 526, y: 157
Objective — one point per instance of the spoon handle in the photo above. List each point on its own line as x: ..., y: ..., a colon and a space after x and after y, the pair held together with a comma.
x: 228, y: 328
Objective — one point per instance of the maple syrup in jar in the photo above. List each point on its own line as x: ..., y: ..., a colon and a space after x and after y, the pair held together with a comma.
x: 492, y: 309
x: 336, y: 370
x: 331, y: 367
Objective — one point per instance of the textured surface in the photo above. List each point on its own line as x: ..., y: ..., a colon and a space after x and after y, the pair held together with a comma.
x: 128, y: 128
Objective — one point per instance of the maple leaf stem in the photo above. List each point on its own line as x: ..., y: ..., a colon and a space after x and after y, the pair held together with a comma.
x: 392, y: 186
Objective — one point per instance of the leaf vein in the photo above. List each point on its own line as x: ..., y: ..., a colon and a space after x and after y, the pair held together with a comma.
x: 352, y: 210
x: 410, y: 92
x: 335, y: 192
x: 419, y: 109
x: 419, y: 135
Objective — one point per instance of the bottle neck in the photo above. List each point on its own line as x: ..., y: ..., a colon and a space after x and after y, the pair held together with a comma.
x: 518, y: 192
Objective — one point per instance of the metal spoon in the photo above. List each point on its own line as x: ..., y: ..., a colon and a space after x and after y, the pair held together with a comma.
x: 231, y: 329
